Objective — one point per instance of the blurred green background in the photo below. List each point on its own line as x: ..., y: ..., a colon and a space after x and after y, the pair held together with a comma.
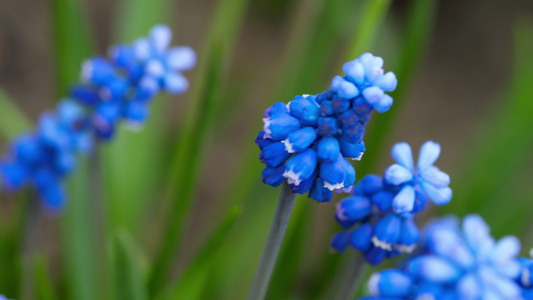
x: 178, y: 210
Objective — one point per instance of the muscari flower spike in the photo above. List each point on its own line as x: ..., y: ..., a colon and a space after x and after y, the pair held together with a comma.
x: 373, y: 223
x: 456, y: 262
x: 113, y: 89
x: 306, y: 142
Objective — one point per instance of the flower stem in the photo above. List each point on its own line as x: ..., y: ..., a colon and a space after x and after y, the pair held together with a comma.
x: 352, y: 277
x: 273, y: 244
x: 29, y: 244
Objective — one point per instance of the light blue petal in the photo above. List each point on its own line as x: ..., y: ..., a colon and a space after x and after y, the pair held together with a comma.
x: 436, y: 177
x: 469, y: 287
x: 405, y: 200
x: 354, y: 71
x: 387, y: 82
x: 433, y: 269
x: 438, y: 196
x: 397, y: 175
x: 390, y: 283
x: 181, y: 58
x: 477, y: 234
x: 447, y: 243
x: 402, y: 154
x: 505, y: 249
x: 504, y: 287
x: 161, y: 36
x: 429, y: 153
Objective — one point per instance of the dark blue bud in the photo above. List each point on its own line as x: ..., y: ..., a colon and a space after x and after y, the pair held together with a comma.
x: 328, y: 126
x: 354, y: 135
x: 299, y: 140
x: 262, y: 142
x: 326, y: 109
x: 349, y: 175
x: 328, y: 149
x: 353, y: 151
x: 115, y: 89
x: 341, y: 241
x: 279, y: 125
x: 124, y: 57
x: 349, y: 119
x: 274, y: 154
x: 383, y: 200
x: 361, y: 237
x: 273, y: 176
x: 319, y: 193
x: 305, y: 185
x: 371, y: 184
x: 420, y: 200
x: 340, y: 105
x: 51, y: 192
x: 375, y: 255
x: 310, y: 115
x: 409, y: 237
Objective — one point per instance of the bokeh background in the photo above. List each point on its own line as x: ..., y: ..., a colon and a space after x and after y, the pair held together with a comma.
x: 466, y: 75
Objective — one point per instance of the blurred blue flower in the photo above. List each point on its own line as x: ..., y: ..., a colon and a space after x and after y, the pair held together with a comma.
x: 456, y: 262
x: 424, y: 181
x: 525, y: 277
x: 382, y: 230
x: 306, y: 142
x: 111, y: 90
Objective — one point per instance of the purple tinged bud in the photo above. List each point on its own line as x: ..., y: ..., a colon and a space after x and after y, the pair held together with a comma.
x: 276, y: 108
x: 298, y: 105
x: 262, y: 142
x: 354, y: 208
x: 305, y: 186
x: 328, y: 126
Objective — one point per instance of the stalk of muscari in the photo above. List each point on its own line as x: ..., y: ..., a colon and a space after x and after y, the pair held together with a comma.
x: 456, y: 262
x: 306, y: 143
x: 113, y: 89
x: 378, y: 217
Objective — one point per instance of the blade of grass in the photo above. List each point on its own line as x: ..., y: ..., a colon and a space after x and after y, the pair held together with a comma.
x: 193, y: 282
x: 420, y: 21
x: 79, y: 255
x: 130, y: 268
x: 496, y: 156
x: 188, y: 152
x: 72, y: 41
x: 12, y: 120
x: 43, y: 284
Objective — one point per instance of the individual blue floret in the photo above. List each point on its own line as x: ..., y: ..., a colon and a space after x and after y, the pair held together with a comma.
x: 525, y: 277
x: 114, y: 89
x: 417, y: 184
x: 457, y: 262
x: 313, y: 135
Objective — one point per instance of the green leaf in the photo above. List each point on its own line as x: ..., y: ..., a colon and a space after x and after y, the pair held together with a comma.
x: 73, y: 43
x: 43, y: 284
x: 130, y: 268
x: 192, y: 284
x: 78, y: 239
x: 187, y: 155
x: 12, y: 120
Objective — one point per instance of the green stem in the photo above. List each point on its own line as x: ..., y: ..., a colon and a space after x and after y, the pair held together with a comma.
x: 28, y: 249
x: 275, y: 237
x: 352, y: 277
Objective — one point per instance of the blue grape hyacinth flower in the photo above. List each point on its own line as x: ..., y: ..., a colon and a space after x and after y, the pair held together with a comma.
x: 420, y: 182
x: 525, y: 277
x: 307, y: 141
x: 456, y: 262
x: 380, y: 230
x: 114, y: 89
